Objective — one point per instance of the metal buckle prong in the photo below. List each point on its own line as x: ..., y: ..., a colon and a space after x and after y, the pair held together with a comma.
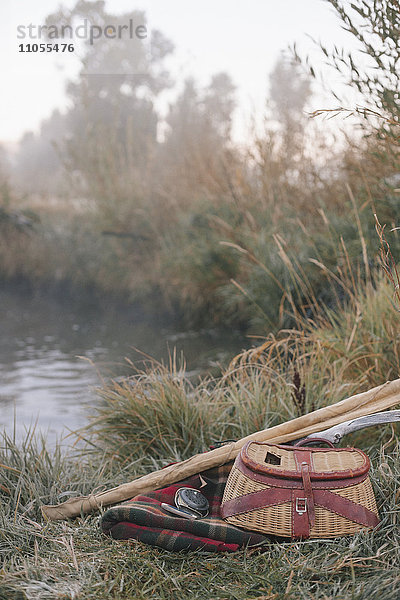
x: 301, y: 506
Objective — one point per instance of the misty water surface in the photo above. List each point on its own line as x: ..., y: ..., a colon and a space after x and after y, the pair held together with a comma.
x: 51, y: 352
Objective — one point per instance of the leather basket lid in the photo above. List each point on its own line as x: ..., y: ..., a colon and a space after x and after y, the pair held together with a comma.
x: 282, y: 461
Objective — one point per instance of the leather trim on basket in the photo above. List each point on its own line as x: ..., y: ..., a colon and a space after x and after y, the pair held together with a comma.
x: 249, y: 502
x: 292, y: 474
x: 322, y: 498
x: 280, y: 482
x: 304, y: 464
x: 346, y: 508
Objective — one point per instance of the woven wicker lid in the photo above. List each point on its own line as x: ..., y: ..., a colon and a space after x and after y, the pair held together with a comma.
x: 327, y: 463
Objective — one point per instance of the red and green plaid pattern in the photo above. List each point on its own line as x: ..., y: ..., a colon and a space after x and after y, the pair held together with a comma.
x: 142, y: 518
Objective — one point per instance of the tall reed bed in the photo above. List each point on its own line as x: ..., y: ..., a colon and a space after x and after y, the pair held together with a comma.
x: 330, y: 351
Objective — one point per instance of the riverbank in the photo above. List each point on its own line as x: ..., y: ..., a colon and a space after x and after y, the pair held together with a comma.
x: 290, y: 374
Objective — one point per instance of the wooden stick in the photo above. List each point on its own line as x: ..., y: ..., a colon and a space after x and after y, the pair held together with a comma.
x: 377, y: 399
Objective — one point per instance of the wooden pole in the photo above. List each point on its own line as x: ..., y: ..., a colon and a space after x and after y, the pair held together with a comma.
x: 375, y: 400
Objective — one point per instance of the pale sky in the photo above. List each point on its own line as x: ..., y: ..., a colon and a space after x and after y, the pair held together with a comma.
x: 242, y: 37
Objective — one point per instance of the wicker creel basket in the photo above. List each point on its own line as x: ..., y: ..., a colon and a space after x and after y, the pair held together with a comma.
x: 300, y: 492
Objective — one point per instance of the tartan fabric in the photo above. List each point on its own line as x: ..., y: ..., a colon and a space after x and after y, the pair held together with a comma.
x: 142, y: 518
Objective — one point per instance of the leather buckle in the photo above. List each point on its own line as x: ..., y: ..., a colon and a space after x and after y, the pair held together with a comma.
x: 301, y: 506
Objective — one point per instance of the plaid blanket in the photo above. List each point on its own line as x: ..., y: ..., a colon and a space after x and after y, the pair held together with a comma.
x: 142, y: 518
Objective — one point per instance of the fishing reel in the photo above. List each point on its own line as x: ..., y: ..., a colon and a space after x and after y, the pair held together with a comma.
x: 189, y: 504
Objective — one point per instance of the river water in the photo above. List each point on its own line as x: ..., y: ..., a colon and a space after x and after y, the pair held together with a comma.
x: 54, y: 352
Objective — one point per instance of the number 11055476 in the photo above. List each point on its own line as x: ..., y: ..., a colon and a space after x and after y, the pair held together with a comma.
x: 45, y: 47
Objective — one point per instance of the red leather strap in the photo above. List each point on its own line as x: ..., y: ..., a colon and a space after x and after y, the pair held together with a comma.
x: 305, y: 465
x: 260, y: 499
x: 345, y: 508
x: 308, y: 493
